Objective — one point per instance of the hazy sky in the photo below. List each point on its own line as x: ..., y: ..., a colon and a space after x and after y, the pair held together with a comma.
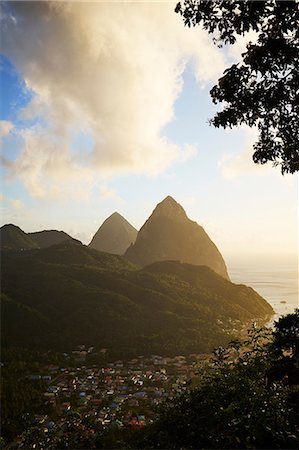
x: 105, y: 107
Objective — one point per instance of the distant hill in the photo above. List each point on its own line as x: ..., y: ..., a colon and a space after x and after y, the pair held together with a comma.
x: 169, y: 234
x: 47, y: 238
x: 203, y: 277
x: 115, y: 235
x: 13, y: 238
x: 70, y: 294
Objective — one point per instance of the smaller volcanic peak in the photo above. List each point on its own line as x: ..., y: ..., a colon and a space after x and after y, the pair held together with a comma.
x: 114, y: 236
x: 47, y: 238
x: 13, y: 238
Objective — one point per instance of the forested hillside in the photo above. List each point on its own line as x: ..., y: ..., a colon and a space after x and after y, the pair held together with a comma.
x: 70, y: 294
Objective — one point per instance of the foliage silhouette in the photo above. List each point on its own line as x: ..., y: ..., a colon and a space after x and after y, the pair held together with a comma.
x: 235, y: 404
x: 262, y: 90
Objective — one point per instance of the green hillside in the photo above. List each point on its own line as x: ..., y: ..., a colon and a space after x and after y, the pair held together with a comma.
x: 13, y: 238
x: 46, y: 238
x: 224, y: 292
x: 69, y: 294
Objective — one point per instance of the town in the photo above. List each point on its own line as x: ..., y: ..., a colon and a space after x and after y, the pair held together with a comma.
x: 119, y: 394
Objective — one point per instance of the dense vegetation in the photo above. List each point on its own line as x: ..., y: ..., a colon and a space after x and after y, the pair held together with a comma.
x: 248, y: 399
x: 69, y: 294
x: 47, y: 238
x: 13, y: 238
x: 22, y: 397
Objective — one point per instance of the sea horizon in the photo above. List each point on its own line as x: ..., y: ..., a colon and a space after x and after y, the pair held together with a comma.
x: 275, y: 279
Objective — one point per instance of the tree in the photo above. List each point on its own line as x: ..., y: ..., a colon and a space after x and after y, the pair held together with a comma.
x: 285, y: 349
x: 286, y: 334
x: 235, y: 405
x: 263, y: 89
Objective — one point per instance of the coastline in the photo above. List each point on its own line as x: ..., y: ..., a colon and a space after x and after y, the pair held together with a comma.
x: 275, y: 280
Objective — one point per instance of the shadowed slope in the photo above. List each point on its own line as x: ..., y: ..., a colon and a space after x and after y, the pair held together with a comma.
x: 13, y: 238
x: 115, y: 235
x: 47, y: 238
x: 73, y: 295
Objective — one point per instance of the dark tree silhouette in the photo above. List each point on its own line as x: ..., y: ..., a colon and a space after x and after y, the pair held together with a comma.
x: 263, y: 89
x: 247, y: 399
x: 285, y: 349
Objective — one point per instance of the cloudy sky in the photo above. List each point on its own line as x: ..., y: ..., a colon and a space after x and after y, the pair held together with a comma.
x: 105, y: 107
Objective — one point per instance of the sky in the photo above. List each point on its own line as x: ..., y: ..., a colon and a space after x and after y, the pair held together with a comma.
x: 105, y: 107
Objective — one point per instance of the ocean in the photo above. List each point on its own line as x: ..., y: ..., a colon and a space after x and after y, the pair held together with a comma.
x: 275, y: 280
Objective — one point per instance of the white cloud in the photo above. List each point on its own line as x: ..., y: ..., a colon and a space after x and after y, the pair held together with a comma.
x: 189, y: 200
x: 81, y: 236
x: 108, y: 193
x: 236, y: 50
x: 16, y: 203
x: 112, y: 70
x: 236, y: 165
x: 5, y: 128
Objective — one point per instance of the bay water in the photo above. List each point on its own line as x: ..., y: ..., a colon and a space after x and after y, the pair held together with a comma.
x: 275, y: 279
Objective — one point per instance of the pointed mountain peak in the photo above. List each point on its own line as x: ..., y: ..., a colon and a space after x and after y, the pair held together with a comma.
x: 115, y: 235
x: 169, y: 200
x: 171, y: 208
x: 168, y: 234
x: 115, y: 216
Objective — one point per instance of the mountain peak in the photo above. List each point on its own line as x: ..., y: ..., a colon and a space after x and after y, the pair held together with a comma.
x: 10, y: 226
x: 168, y: 199
x: 169, y: 234
x: 115, y: 216
x: 114, y: 235
x: 171, y: 208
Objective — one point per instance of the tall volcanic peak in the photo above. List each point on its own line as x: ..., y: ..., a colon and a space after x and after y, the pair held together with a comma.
x: 114, y: 235
x: 170, y: 208
x: 169, y: 234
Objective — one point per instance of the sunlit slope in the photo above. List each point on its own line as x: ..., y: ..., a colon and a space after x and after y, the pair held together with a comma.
x: 70, y: 294
x: 169, y: 234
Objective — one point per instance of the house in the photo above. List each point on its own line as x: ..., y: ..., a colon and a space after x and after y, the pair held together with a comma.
x: 140, y: 394
x: 66, y: 406
x: 46, y: 377
x: 34, y: 377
